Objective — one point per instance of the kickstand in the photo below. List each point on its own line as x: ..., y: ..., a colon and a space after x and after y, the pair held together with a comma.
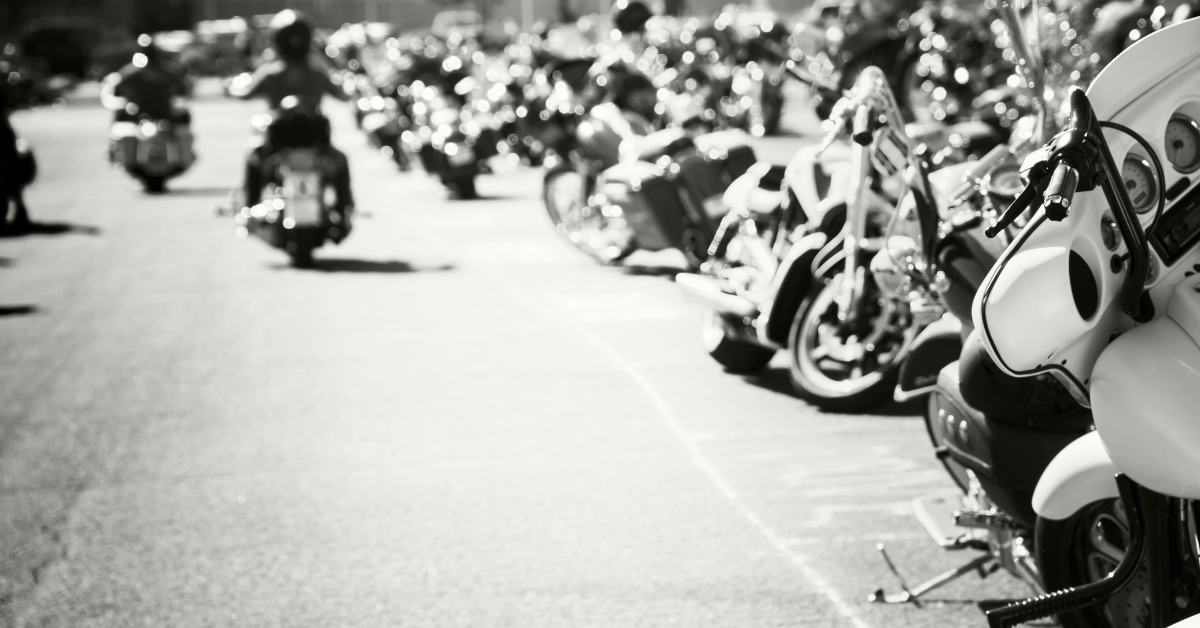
x: 979, y: 564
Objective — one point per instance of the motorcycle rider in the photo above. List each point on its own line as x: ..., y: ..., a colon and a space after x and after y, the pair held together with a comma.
x: 149, y: 87
x: 291, y: 77
x: 16, y: 167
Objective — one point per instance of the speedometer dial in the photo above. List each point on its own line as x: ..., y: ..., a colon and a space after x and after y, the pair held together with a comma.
x: 1140, y: 181
x: 1183, y: 143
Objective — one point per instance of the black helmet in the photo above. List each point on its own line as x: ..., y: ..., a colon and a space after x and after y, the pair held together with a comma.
x: 292, y: 35
x: 631, y: 16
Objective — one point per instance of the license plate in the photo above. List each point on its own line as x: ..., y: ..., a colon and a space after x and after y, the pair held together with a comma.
x: 463, y: 157
x: 303, y: 198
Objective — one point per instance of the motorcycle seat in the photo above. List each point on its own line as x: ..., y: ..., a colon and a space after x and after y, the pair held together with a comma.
x: 1032, y: 402
x: 661, y: 144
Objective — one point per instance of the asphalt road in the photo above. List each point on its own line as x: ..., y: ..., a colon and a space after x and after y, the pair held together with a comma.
x: 456, y: 419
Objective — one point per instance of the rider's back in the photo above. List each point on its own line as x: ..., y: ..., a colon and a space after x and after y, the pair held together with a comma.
x: 151, y: 89
x: 276, y: 81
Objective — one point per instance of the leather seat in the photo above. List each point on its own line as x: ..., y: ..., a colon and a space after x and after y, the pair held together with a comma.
x: 1034, y: 402
x: 662, y: 143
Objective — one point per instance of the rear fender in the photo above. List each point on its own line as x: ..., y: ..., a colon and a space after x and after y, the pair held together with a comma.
x: 936, y: 346
x: 793, y: 281
x: 1080, y: 474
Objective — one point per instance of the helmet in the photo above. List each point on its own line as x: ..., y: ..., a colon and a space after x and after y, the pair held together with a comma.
x: 631, y: 16
x: 291, y: 34
x: 147, y: 53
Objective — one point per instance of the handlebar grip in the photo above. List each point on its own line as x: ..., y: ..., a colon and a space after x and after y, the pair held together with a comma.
x: 861, y: 133
x: 1061, y: 191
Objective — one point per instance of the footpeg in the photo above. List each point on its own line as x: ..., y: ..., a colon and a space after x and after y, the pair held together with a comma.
x: 984, y: 519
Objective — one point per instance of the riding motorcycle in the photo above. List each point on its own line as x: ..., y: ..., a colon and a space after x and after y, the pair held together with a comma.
x: 303, y: 205
x: 1099, y: 292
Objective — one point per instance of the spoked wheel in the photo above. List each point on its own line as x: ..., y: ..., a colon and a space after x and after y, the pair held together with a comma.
x: 735, y: 355
x: 1085, y: 548
x: 606, y: 238
x: 848, y: 365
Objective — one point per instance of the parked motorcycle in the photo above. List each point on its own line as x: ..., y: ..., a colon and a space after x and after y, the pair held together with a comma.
x: 774, y: 279
x: 302, y: 206
x: 452, y: 138
x: 1098, y: 292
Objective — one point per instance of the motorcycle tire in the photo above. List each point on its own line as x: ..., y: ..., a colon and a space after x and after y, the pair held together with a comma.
x: 1072, y: 552
x: 154, y: 185
x: 463, y: 189
x: 867, y: 390
x: 735, y: 356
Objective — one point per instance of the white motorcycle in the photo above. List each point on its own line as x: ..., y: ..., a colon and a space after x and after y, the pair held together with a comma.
x: 1100, y: 290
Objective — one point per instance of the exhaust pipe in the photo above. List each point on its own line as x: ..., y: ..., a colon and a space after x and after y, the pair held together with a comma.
x: 706, y: 292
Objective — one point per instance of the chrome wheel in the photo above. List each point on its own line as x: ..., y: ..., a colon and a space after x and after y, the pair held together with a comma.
x: 848, y: 362
x: 599, y: 231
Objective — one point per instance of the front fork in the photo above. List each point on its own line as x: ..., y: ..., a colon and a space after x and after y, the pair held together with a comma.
x: 854, y: 274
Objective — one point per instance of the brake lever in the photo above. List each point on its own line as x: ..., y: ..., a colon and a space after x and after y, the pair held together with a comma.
x: 1018, y: 206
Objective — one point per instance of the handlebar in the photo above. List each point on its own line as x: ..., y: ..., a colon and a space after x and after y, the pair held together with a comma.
x: 1078, y: 159
x: 1061, y: 191
x: 861, y: 131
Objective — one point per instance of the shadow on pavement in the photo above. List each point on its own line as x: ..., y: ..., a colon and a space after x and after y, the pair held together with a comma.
x: 652, y: 271
x: 17, y: 310
x: 331, y: 265
x: 778, y: 380
x: 215, y: 191
x: 47, y: 228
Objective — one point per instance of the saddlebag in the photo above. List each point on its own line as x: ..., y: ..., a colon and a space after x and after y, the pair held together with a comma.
x: 650, y: 202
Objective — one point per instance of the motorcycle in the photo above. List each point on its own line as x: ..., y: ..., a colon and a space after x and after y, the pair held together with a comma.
x: 1098, y: 292
x: 302, y: 203
x: 450, y: 139
x: 619, y: 192
x: 773, y: 281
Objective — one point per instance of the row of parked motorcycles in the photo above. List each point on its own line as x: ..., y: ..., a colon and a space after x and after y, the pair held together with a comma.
x: 975, y: 232
x: 1029, y: 273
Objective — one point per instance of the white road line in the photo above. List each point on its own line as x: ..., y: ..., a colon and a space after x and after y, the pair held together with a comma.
x: 781, y: 544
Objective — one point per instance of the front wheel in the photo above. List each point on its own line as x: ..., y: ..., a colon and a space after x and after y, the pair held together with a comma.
x: 1084, y: 548
x: 735, y: 355
x: 847, y: 365
x: 606, y: 238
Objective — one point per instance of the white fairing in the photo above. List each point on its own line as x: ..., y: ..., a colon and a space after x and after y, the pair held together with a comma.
x: 801, y: 177
x: 1146, y: 394
x: 1080, y: 474
x: 1027, y: 308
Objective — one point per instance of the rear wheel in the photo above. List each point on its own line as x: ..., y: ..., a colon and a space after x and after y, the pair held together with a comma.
x: 154, y: 185
x: 694, y: 248
x: 847, y: 365
x: 735, y: 355
x: 300, y: 255
x: 933, y: 413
